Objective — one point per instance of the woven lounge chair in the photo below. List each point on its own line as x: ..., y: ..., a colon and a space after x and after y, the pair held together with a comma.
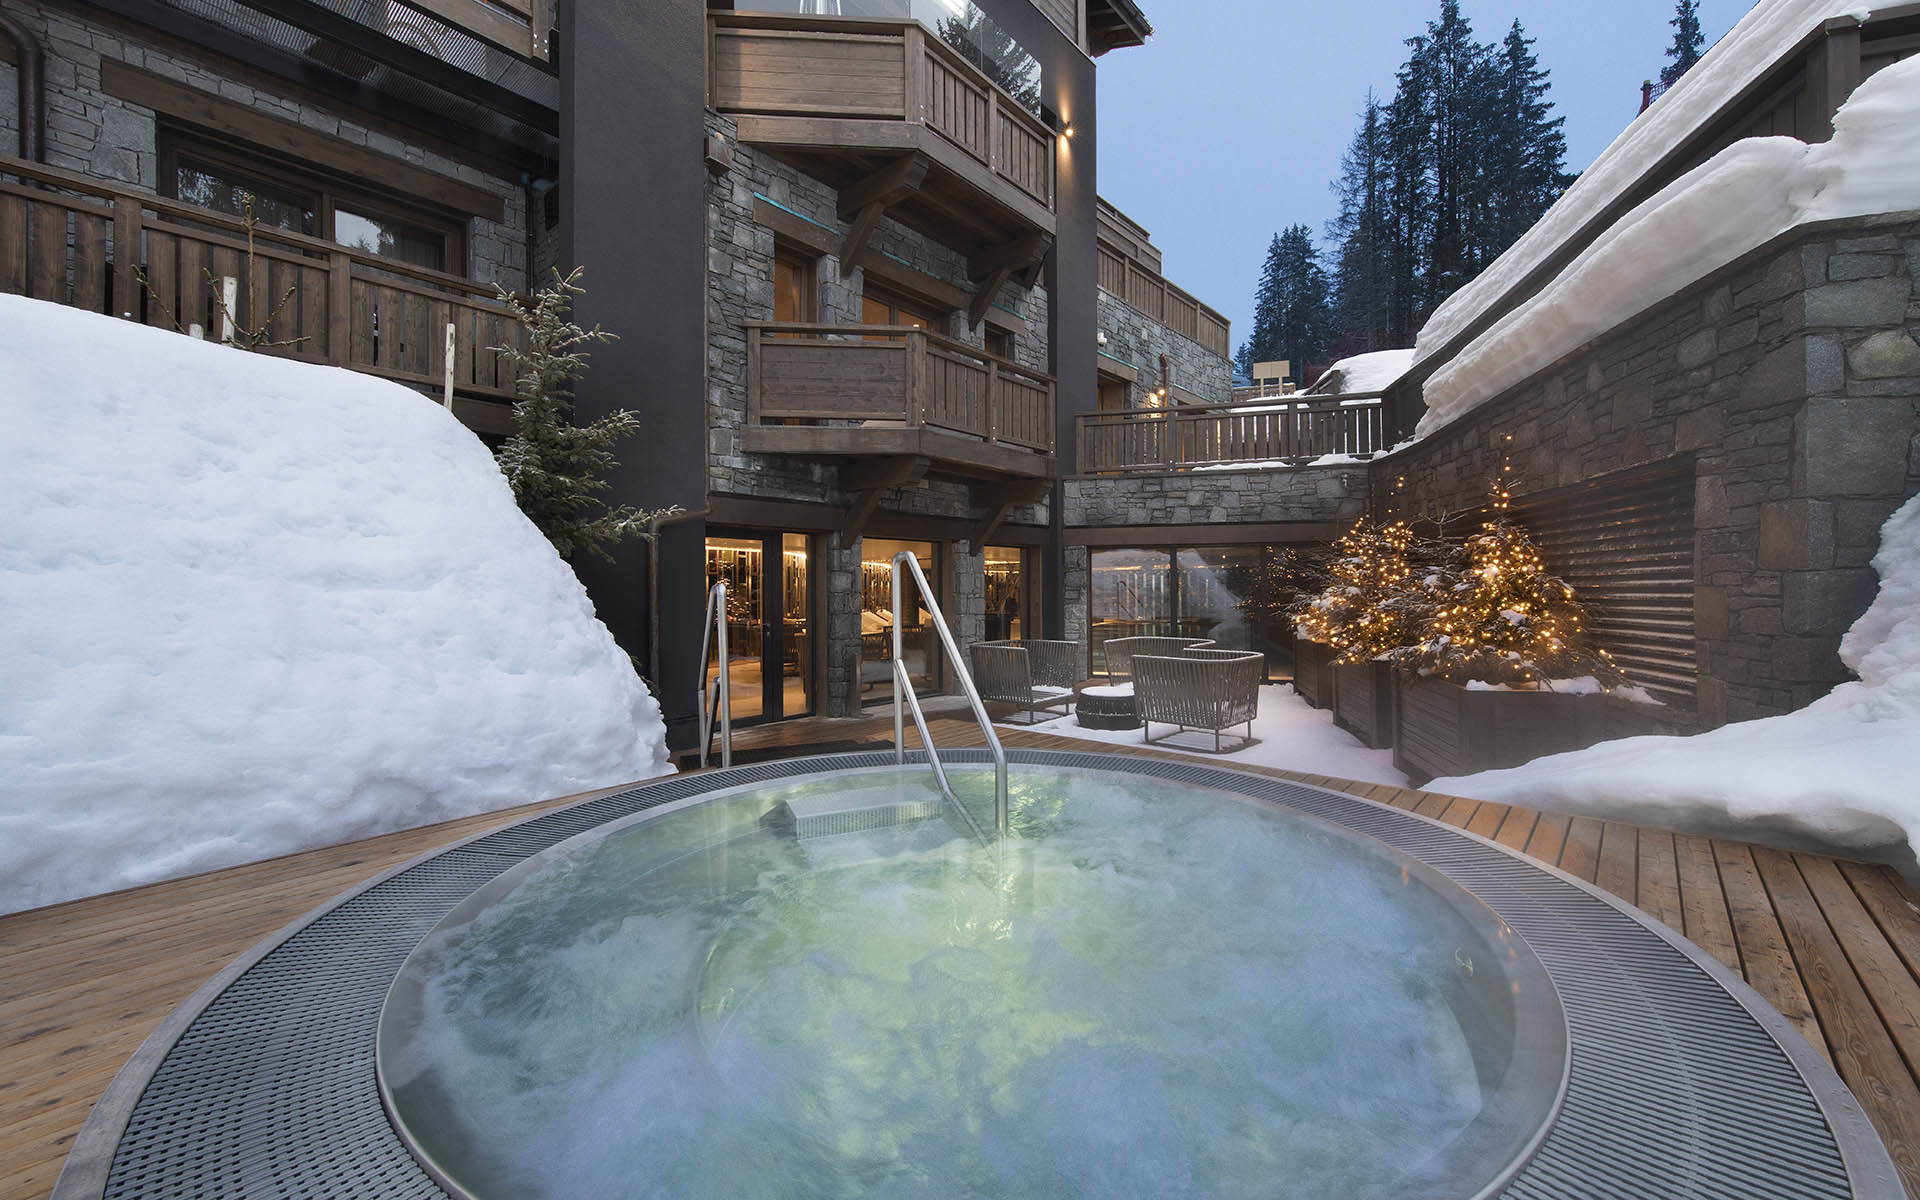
x: 1120, y: 651
x: 1199, y: 689
x: 1034, y: 673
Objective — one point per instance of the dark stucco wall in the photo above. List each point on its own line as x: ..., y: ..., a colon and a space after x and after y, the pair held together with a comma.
x: 632, y: 121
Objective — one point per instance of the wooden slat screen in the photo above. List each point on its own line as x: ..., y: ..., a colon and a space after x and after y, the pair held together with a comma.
x: 1625, y: 542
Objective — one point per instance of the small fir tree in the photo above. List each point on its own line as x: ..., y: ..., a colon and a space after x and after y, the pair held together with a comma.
x: 1377, y: 593
x: 1687, y: 40
x: 1507, y: 619
x: 556, y: 467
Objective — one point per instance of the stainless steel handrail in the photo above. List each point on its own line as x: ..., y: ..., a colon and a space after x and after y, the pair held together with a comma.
x: 717, y: 693
x: 904, y: 563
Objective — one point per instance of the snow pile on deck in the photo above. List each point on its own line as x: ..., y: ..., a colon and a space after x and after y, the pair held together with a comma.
x: 1840, y: 771
x: 252, y: 606
x: 1363, y: 373
x: 1748, y: 194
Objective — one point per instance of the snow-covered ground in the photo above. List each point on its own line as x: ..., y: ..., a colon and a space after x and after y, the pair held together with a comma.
x: 1770, y: 31
x: 250, y: 606
x: 1290, y: 733
x: 1840, y: 773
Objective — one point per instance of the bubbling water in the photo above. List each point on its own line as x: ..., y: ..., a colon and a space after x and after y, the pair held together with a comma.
x: 1150, y: 990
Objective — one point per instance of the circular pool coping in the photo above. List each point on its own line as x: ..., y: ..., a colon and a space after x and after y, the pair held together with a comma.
x: 1683, y: 1080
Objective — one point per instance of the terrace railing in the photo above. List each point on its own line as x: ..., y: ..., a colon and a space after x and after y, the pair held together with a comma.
x: 1149, y: 293
x: 81, y: 242
x: 877, y: 70
x: 883, y: 374
x: 1285, y: 431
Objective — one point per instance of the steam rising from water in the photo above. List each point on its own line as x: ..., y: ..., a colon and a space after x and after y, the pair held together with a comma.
x: 1152, y: 991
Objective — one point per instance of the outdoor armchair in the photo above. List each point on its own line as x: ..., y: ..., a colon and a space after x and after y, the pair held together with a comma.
x: 1199, y: 689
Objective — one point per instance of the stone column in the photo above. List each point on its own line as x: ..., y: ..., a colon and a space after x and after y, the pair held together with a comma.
x: 843, y: 627
x: 967, y: 594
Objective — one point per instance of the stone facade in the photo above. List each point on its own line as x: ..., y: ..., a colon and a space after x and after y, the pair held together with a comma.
x: 1256, y: 497
x: 740, y: 253
x: 1793, y: 378
x: 1136, y: 340
x: 740, y: 272
x: 109, y: 139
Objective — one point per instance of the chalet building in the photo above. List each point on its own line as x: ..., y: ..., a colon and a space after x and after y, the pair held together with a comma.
x: 869, y: 301
x: 863, y: 281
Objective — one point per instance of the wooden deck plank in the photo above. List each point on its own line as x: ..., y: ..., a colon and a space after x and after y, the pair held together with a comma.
x: 1888, y: 983
x: 1658, y: 881
x: 1863, y: 1051
x: 1769, y: 966
x: 1580, y: 857
x: 1487, y: 819
x: 1618, y: 866
x: 1703, y: 903
x: 1886, y: 898
x: 1549, y: 838
x: 1517, y: 828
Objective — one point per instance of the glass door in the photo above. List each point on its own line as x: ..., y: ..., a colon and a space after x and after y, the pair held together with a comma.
x: 919, y: 642
x: 770, y: 646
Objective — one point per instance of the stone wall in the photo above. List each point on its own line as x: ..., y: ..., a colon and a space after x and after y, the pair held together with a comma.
x: 1793, y: 378
x: 107, y: 138
x: 1137, y: 340
x: 740, y: 289
x: 1299, y: 494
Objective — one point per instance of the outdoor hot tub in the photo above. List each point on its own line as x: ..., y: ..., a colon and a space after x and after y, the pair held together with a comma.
x: 833, y: 985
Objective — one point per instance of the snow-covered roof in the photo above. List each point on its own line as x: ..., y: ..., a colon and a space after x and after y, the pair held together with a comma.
x: 1745, y: 196
x: 254, y: 606
x: 1765, y: 36
x: 1374, y: 372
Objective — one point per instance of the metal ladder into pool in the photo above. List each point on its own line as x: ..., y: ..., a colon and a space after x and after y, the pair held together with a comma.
x: 716, y: 695
x: 905, y: 565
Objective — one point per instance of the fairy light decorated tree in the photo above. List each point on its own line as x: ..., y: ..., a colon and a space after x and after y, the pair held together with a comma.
x: 1376, y: 596
x: 1506, y: 619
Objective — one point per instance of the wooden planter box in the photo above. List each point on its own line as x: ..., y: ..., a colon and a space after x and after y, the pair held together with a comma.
x: 1442, y: 728
x: 1363, y: 702
x: 1313, y: 672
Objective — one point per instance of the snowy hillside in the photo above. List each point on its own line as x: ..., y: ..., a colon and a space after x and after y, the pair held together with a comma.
x: 1840, y: 771
x: 251, y: 606
x: 1742, y: 198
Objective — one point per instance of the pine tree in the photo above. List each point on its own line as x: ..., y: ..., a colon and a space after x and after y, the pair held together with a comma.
x: 1687, y: 40
x: 1376, y: 599
x: 1362, y: 274
x: 1506, y: 619
x: 1305, y: 320
x: 1263, y: 340
x: 1526, y: 150
x: 554, y: 466
x: 1460, y: 72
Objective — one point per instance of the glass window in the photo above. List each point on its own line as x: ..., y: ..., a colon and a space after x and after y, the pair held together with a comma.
x: 797, y: 646
x: 792, y: 290
x: 1011, y: 592
x: 1133, y: 596
x: 390, y: 238
x: 882, y: 309
x: 227, y: 191
x: 737, y: 563
x: 877, y: 616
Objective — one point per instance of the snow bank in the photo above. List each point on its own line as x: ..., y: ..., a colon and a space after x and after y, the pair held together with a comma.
x: 1839, y: 772
x: 1742, y: 198
x: 1762, y: 38
x: 252, y: 606
x: 1374, y: 372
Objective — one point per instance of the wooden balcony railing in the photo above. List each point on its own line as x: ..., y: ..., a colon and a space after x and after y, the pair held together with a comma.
x: 848, y: 380
x: 1286, y: 431
x: 847, y: 70
x: 78, y: 241
x: 1152, y: 295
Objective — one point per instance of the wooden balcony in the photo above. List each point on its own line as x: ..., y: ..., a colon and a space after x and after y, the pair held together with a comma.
x: 1279, y: 432
x: 78, y: 241
x: 881, y: 392
x: 891, y: 116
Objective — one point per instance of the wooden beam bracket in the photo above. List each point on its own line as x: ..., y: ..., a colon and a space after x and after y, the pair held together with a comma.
x: 999, y: 499
x: 865, y: 480
x: 992, y: 268
x: 864, y: 203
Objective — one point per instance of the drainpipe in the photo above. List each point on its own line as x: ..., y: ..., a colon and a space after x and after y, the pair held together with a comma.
x: 31, y: 75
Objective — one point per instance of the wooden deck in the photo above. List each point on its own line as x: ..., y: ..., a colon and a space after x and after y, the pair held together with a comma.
x: 1834, y: 945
